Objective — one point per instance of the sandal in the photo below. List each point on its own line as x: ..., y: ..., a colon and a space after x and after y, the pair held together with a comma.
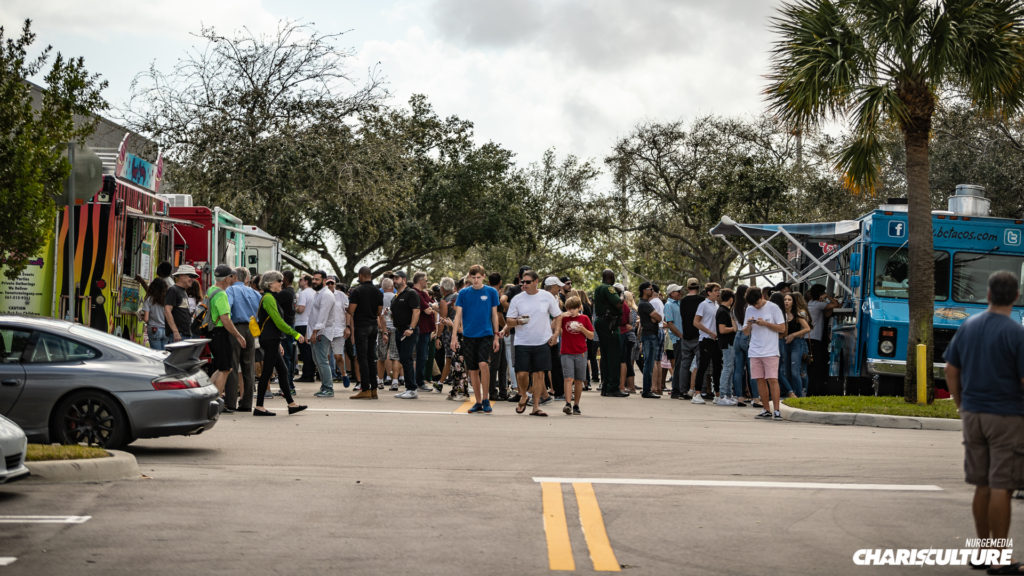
x: 538, y: 413
x: 520, y: 408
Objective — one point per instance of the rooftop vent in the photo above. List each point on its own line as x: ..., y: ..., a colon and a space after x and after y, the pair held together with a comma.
x: 969, y: 200
x: 894, y: 205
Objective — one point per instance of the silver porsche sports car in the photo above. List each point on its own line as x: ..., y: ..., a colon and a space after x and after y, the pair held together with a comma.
x: 64, y: 382
x: 12, y: 448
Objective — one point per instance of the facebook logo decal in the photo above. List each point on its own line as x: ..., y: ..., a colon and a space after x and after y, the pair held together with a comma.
x: 897, y: 229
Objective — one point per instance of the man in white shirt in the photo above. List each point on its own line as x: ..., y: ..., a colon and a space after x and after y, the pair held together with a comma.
x: 340, y: 330
x: 764, y: 322
x: 303, y: 299
x: 321, y: 325
x: 531, y: 313
x: 707, y: 342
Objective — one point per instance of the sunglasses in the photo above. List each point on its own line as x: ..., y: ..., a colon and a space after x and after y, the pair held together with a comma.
x: 526, y: 282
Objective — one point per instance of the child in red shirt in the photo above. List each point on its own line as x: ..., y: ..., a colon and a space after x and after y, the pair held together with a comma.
x: 576, y: 330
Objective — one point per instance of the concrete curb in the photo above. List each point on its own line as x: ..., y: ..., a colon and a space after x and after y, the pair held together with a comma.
x: 120, y: 466
x: 876, y: 420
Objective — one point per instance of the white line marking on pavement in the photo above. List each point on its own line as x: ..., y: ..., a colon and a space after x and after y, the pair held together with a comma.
x: 741, y: 484
x: 371, y: 411
x: 7, y: 560
x: 44, y: 519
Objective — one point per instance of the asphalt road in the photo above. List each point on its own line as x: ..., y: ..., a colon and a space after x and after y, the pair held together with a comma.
x: 351, y: 487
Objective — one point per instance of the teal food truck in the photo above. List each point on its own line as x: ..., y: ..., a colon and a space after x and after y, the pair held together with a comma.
x: 864, y: 263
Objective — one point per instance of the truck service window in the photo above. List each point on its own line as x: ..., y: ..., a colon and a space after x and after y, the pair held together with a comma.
x: 971, y: 272
x: 891, y: 278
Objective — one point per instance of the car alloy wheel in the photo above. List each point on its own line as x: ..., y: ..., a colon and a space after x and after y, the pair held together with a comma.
x: 90, y: 417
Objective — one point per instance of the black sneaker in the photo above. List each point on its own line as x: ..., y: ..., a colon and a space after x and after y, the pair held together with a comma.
x: 687, y: 396
x: 567, y: 410
x: 514, y: 398
x: 576, y: 411
x: 707, y: 396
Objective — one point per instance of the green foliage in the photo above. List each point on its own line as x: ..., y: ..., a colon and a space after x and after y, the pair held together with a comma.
x: 247, y: 121
x: 32, y: 140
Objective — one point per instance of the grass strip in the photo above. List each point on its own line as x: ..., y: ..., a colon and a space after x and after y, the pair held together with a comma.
x: 40, y: 452
x: 888, y: 405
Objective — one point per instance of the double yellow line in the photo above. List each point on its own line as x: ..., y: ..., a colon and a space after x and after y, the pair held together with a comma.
x: 557, y: 529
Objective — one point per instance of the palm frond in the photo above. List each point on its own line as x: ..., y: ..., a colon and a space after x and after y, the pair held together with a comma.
x: 816, y: 64
x: 986, y: 52
x: 858, y: 163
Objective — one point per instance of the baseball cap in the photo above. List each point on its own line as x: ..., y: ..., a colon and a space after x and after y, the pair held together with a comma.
x: 619, y: 287
x: 401, y: 274
x: 186, y: 270
x: 223, y: 271
x: 553, y: 281
x: 673, y: 288
x: 692, y: 283
x: 565, y: 280
x: 332, y: 279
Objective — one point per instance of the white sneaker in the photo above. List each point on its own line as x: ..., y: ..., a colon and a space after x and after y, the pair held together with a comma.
x: 721, y: 401
x: 408, y: 395
x: 731, y: 401
x: 697, y: 399
x: 394, y: 385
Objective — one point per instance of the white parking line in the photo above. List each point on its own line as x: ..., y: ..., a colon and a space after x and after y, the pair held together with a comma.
x: 44, y: 519
x: 741, y: 484
x: 372, y: 411
x: 7, y: 560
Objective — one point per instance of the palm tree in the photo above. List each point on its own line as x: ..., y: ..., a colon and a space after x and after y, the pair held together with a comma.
x: 888, y: 61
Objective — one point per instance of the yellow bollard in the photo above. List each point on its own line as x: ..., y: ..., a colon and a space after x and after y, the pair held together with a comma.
x: 922, y: 375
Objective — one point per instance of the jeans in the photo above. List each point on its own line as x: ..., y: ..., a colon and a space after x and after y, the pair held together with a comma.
x: 611, y: 350
x: 726, y: 387
x: 686, y: 351
x: 784, y: 386
x: 709, y: 354
x: 406, y: 355
x: 306, y: 357
x: 651, y: 345
x: 422, y: 353
x: 321, y: 356
x: 241, y: 384
x: 272, y: 361
x: 511, y: 365
x: 288, y: 343
x: 157, y: 337
x: 741, y: 366
x: 797, y: 370
x: 366, y: 355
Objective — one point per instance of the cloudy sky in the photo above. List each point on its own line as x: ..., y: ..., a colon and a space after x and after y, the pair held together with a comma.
x: 531, y: 74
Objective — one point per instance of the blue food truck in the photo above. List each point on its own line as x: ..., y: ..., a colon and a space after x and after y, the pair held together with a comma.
x: 864, y: 264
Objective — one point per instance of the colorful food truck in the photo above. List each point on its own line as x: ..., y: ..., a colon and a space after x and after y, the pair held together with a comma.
x: 121, y: 233
x: 864, y: 263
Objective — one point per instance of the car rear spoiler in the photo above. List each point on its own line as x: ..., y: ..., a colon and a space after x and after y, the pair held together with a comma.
x: 184, y: 356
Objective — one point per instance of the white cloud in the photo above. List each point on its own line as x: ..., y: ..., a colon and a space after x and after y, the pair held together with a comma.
x: 577, y: 77
x: 120, y: 20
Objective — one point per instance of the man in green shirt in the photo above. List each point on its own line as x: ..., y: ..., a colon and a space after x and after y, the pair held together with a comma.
x: 608, y: 311
x: 223, y: 327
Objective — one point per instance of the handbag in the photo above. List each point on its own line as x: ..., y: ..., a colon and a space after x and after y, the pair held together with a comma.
x: 254, y: 327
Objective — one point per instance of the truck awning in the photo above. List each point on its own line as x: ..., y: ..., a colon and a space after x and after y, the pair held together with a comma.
x: 842, y: 230
x: 156, y: 218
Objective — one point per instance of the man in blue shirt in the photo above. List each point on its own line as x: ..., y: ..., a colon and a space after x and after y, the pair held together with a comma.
x: 245, y: 304
x: 476, y: 314
x: 985, y: 375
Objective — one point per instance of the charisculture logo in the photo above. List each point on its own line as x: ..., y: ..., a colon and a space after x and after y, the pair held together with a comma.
x: 979, y: 551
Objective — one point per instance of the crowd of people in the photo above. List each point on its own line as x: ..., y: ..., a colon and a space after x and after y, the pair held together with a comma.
x: 531, y: 341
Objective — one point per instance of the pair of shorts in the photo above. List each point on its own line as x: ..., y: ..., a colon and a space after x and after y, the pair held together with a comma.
x: 993, y: 450
x: 338, y: 345
x: 476, y: 351
x: 389, y: 349
x: 574, y: 366
x: 533, y: 358
x: 765, y: 368
x: 220, y: 348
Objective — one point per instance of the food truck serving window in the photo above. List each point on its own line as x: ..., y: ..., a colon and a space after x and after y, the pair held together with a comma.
x: 971, y: 271
x: 892, y: 273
